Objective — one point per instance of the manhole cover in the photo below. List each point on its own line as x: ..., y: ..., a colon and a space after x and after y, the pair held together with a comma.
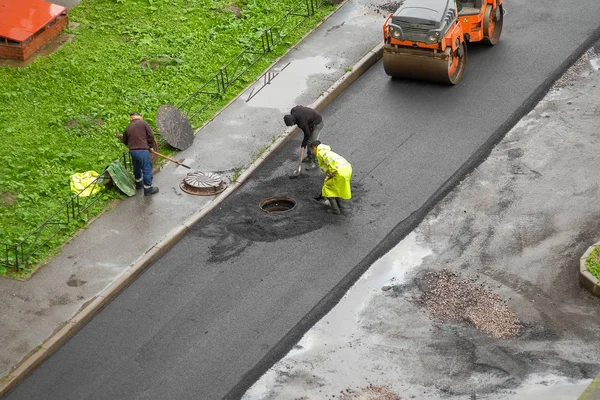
x: 202, y: 183
x: 278, y: 204
x: 174, y: 127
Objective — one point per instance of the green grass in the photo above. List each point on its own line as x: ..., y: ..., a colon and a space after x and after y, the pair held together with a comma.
x: 593, y: 262
x: 59, y: 114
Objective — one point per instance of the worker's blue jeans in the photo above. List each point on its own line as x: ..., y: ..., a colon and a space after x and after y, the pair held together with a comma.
x: 142, y: 168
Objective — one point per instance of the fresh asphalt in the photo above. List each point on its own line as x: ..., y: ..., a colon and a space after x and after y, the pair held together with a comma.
x: 239, y: 289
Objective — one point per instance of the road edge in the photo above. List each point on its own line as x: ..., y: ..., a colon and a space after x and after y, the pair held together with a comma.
x: 98, y: 302
x: 403, y: 228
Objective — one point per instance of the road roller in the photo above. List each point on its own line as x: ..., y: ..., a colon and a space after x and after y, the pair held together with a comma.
x: 426, y: 39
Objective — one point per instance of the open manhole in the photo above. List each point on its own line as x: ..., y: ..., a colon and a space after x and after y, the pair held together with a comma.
x: 203, y: 183
x: 278, y: 204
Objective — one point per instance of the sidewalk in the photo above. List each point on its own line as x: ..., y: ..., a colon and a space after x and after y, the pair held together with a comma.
x: 40, y: 314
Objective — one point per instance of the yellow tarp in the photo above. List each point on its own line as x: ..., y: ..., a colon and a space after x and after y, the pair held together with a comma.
x: 83, y: 183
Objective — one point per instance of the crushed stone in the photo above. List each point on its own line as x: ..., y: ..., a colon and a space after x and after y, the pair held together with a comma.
x: 581, y: 66
x: 369, y: 392
x: 447, y: 297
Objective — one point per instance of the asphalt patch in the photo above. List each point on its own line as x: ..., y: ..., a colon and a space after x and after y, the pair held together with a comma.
x: 241, y: 221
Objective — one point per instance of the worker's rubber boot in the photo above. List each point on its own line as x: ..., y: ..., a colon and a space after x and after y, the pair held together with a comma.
x: 151, y: 191
x: 335, y: 209
x: 339, y: 204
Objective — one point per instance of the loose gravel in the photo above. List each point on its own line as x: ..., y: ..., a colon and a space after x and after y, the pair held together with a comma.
x: 581, y: 66
x: 370, y: 392
x: 449, y: 298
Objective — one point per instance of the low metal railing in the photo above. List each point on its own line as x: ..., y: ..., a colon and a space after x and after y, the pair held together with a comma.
x: 227, y: 75
x: 19, y: 255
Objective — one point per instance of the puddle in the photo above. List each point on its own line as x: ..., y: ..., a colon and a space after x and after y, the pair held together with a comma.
x: 290, y: 84
x: 336, y: 339
x: 74, y: 282
x: 545, y: 387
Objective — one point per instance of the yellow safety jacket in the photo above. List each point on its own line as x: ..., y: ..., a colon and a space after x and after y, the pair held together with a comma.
x: 338, y: 173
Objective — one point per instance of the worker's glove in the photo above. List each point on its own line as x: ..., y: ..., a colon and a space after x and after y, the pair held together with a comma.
x: 330, y: 175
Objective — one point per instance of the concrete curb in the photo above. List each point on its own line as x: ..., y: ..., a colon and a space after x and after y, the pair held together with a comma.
x: 92, y: 307
x: 592, y: 392
x: 586, y: 279
x: 321, y: 22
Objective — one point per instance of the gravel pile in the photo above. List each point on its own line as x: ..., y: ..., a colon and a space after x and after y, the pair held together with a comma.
x: 369, y: 392
x: 449, y: 298
x: 581, y: 65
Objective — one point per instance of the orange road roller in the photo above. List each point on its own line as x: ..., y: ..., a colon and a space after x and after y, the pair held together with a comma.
x: 426, y: 39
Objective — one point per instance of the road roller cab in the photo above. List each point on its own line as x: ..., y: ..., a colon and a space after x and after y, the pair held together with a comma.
x: 426, y: 39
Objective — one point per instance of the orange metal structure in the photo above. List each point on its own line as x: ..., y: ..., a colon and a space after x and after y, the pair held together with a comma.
x: 416, y: 48
x: 27, y: 25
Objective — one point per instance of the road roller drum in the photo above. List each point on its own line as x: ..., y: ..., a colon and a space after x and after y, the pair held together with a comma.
x: 424, y: 64
x: 427, y: 39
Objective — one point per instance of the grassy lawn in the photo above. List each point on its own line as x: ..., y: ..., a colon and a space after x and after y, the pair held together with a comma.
x: 593, y: 262
x: 59, y: 114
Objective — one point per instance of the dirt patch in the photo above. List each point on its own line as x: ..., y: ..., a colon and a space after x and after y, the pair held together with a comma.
x: 61, y: 300
x: 449, y: 298
x: 82, y: 125
x: 233, y: 9
x: 370, y: 392
x: 75, y: 282
x: 386, y: 8
x: 7, y: 198
x: 159, y: 61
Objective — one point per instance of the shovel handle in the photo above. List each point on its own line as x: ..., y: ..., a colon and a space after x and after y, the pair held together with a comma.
x: 170, y: 159
x: 300, y: 162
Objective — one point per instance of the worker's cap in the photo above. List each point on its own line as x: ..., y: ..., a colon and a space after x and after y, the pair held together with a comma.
x: 314, y: 143
x: 289, y: 120
x: 133, y: 114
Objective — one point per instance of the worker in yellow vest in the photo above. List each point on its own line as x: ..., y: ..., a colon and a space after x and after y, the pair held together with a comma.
x: 338, y: 173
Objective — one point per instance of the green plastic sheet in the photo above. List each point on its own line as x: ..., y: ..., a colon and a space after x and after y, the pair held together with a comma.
x: 122, y: 178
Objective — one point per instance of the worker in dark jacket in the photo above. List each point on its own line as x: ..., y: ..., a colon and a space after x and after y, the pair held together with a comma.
x: 139, y: 139
x: 311, y: 123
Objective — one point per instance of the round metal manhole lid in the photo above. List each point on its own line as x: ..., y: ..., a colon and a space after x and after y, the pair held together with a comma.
x: 281, y: 204
x: 203, y: 183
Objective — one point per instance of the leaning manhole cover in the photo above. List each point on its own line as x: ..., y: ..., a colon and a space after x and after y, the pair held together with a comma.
x: 278, y: 204
x: 202, y: 183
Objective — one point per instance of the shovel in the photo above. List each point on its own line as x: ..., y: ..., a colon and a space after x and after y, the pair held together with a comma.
x: 170, y: 159
x: 299, y: 170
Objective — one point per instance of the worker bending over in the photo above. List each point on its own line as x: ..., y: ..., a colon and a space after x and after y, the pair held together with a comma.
x: 338, y: 173
x: 311, y: 123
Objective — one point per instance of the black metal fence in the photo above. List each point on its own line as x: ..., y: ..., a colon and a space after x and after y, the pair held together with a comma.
x: 19, y: 255
x: 227, y: 75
